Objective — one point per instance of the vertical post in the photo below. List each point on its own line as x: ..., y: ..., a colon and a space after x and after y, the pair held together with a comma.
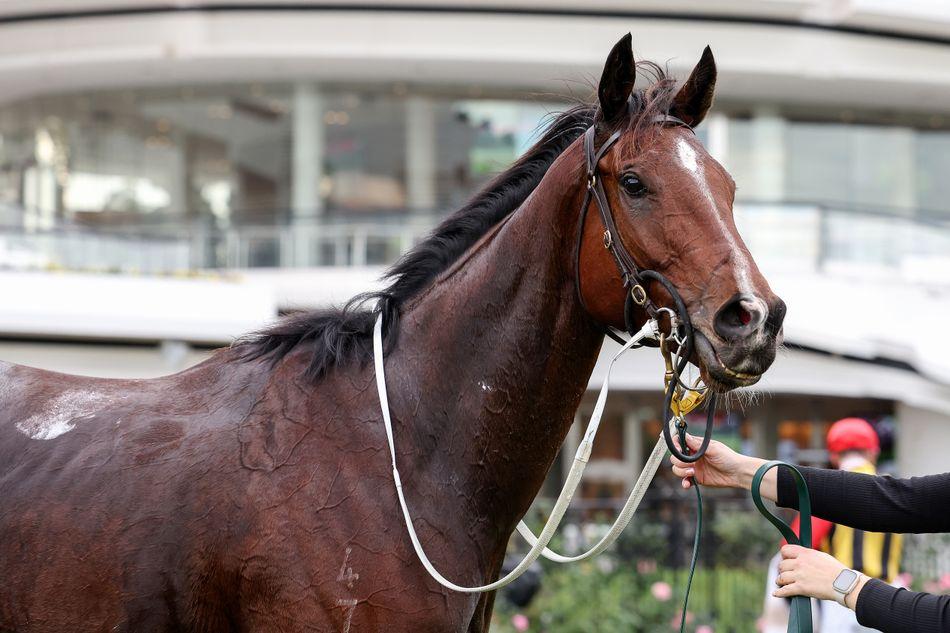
x: 358, y: 246
x: 632, y: 447
x: 765, y: 433
x: 178, y: 175
x: 309, y: 141
x: 421, y: 167
x: 768, y: 147
x: 717, y: 128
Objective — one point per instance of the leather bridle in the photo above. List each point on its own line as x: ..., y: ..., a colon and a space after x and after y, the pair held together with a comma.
x: 635, y: 283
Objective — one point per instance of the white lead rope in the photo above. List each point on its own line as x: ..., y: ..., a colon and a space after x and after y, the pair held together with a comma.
x: 538, y: 543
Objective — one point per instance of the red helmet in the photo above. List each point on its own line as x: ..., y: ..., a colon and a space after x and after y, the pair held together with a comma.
x: 852, y: 434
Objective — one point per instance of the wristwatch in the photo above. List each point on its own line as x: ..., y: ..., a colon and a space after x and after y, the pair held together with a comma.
x: 844, y: 584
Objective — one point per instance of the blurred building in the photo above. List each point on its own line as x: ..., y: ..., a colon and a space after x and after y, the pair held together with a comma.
x: 173, y: 174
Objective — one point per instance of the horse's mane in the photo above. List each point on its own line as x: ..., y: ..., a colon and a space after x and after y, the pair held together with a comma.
x: 337, y: 336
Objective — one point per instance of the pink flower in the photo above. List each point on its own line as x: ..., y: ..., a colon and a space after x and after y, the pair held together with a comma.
x: 661, y: 591
x: 520, y: 622
x: 945, y: 582
x: 704, y: 628
x: 904, y: 580
x: 675, y: 622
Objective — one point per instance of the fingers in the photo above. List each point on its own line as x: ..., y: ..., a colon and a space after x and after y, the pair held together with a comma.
x: 691, y: 441
x: 685, y: 474
x: 788, y: 591
x: 681, y: 469
x: 788, y: 564
x: 684, y: 471
x: 793, y: 551
x: 788, y: 585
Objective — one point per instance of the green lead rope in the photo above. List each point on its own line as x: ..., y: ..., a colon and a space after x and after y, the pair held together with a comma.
x: 681, y: 430
x: 799, y: 620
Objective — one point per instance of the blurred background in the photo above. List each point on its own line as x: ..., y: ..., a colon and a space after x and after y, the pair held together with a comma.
x: 174, y: 174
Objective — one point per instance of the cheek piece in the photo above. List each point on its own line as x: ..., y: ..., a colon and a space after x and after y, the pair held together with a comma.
x: 635, y: 282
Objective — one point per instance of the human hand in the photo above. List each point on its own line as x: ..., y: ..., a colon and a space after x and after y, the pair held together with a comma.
x: 720, y: 467
x: 808, y: 572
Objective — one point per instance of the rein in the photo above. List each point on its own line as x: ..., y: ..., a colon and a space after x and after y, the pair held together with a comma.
x: 799, y: 620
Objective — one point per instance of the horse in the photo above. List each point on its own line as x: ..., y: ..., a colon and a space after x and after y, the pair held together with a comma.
x: 253, y: 492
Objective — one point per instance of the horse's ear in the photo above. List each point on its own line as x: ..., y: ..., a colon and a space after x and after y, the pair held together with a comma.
x: 616, y: 82
x: 694, y: 99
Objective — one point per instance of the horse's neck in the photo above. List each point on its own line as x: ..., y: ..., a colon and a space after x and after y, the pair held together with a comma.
x: 497, y: 356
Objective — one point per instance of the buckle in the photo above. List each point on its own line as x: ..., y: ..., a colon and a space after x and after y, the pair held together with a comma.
x: 608, y: 239
x: 638, y: 294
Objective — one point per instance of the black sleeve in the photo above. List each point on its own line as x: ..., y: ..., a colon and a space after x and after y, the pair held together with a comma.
x: 892, y: 610
x: 873, y: 503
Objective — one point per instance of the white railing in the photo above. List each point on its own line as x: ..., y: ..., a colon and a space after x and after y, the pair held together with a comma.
x: 794, y: 237
x: 839, y: 241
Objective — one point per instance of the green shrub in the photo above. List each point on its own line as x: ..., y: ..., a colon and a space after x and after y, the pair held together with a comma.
x: 606, y: 597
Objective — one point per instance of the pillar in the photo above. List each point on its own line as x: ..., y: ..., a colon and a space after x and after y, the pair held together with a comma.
x: 309, y: 141
x: 421, y: 158
x: 632, y: 447
x: 768, y: 148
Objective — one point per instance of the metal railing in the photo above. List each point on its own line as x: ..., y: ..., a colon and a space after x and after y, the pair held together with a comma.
x: 837, y: 239
x: 799, y: 237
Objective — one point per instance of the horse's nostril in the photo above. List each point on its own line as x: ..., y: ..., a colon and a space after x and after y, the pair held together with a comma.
x: 740, y: 317
x: 776, y: 316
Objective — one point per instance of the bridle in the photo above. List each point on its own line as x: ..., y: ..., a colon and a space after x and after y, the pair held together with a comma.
x: 635, y: 283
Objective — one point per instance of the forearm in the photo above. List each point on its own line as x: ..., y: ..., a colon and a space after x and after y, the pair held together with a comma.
x: 876, y: 504
x: 892, y: 610
x: 747, y: 470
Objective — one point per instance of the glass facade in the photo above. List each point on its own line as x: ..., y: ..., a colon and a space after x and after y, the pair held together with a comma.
x: 226, y: 154
x: 252, y: 175
x: 891, y: 169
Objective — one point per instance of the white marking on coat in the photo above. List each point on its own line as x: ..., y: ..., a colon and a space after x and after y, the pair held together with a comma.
x: 689, y: 159
x: 349, y: 606
x: 485, y: 386
x: 346, y: 574
x: 60, y: 414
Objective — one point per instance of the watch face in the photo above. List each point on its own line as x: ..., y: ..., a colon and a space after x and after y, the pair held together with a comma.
x: 844, y: 580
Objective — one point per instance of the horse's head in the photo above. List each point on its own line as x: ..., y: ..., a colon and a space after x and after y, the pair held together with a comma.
x: 672, y: 205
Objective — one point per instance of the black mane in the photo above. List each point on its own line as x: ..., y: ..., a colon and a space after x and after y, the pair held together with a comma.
x: 341, y: 335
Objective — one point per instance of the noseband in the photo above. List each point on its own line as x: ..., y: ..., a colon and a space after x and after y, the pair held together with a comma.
x: 635, y: 283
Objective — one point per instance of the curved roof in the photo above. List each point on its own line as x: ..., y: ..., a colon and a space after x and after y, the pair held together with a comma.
x: 789, y: 51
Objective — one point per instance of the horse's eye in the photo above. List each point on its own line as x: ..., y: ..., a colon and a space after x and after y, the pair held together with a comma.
x: 632, y: 184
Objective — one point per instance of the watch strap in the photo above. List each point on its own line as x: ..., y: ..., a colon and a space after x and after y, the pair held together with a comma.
x: 841, y: 597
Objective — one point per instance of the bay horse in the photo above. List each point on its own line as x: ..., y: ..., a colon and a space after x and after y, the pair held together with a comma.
x: 253, y: 491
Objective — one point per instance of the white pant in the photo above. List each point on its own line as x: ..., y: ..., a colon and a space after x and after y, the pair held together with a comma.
x: 776, y: 610
x: 838, y: 619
